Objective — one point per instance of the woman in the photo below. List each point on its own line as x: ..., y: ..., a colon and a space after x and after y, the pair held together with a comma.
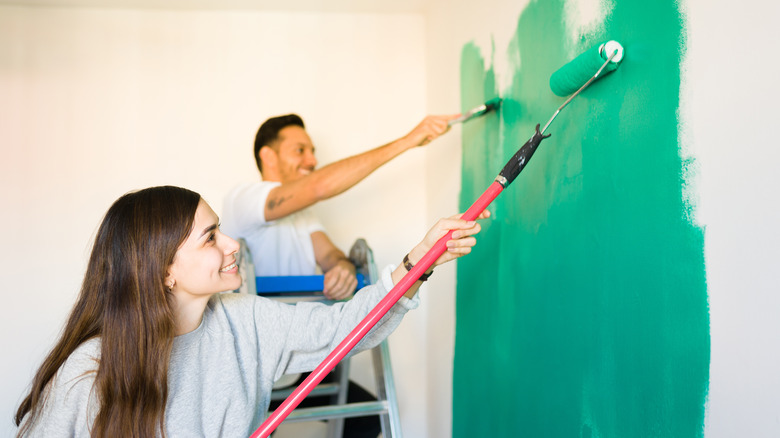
x: 151, y: 348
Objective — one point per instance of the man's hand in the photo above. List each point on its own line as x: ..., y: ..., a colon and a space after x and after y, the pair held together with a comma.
x: 340, y: 281
x: 429, y: 129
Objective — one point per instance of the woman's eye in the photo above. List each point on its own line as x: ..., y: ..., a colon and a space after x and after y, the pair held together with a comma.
x: 212, y: 237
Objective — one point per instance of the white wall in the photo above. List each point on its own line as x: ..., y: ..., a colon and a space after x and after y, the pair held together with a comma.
x: 730, y: 115
x: 96, y: 103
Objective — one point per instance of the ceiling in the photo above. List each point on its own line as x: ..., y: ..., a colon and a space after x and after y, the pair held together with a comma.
x: 349, y: 6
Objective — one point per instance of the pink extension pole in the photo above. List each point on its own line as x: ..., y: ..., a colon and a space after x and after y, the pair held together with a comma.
x: 507, y: 175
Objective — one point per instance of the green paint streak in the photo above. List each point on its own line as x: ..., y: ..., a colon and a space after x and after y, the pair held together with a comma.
x: 583, y: 310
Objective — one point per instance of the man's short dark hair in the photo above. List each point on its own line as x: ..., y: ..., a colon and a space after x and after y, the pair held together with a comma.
x: 269, y: 132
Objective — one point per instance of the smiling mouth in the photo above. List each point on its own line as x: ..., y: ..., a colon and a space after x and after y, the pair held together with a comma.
x: 228, y: 267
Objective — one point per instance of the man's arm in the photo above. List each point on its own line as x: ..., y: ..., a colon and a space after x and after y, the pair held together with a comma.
x: 340, y: 281
x: 337, y: 177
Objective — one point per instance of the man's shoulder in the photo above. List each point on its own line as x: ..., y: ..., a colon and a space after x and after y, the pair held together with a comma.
x: 252, y: 186
x: 243, y: 205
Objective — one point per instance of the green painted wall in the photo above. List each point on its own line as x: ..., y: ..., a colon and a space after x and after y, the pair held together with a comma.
x: 583, y: 310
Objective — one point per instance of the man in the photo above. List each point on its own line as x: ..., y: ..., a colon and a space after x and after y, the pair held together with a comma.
x: 283, y: 237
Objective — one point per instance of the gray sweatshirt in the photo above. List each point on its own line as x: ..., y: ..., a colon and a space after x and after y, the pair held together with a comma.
x: 221, y: 374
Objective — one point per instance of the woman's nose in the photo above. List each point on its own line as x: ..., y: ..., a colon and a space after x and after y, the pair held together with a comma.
x: 231, y: 246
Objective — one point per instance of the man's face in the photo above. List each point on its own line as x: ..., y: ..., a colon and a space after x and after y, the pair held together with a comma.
x: 296, y: 154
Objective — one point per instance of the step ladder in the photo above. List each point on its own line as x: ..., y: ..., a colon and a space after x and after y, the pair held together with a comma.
x: 291, y: 288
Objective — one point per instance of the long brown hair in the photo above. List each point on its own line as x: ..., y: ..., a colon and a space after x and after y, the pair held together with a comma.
x: 124, y: 301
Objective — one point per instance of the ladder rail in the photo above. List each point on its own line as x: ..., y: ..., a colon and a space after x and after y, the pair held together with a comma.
x: 386, y: 406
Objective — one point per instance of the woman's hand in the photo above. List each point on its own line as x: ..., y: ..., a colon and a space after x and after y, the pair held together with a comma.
x: 461, y: 243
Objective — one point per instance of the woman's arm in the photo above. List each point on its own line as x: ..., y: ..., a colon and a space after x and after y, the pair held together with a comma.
x: 315, y: 329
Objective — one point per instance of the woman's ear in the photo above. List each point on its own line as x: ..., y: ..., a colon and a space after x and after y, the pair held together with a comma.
x: 170, y: 282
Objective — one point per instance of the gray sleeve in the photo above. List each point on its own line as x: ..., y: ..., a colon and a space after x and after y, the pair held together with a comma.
x: 70, y: 405
x: 312, y: 330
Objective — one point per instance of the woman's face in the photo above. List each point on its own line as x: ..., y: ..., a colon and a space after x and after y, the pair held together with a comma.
x: 205, y: 263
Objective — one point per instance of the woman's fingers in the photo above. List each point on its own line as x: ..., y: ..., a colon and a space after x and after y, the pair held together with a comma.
x: 465, y: 232
x: 461, y: 240
x: 461, y: 246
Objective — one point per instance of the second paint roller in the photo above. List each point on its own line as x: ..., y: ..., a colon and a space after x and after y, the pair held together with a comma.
x: 581, y: 69
x: 573, y: 77
x: 490, y: 105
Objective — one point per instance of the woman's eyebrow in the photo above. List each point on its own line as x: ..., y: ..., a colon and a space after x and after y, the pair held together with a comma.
x: 208, y: 230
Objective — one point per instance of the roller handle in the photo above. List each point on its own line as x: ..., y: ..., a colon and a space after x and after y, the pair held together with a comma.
x: 342, y: 349
x: 517, y: 163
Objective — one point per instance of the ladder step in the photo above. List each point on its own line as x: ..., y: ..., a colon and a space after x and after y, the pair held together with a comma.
x: 361, y: 409
x: 321, y: 389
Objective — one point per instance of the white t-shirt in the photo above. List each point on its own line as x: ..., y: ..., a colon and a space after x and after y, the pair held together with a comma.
x: 279, y: 247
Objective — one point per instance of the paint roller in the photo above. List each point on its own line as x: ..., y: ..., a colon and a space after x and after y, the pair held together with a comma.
x: 566, y: 80
x: 578, y: 74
